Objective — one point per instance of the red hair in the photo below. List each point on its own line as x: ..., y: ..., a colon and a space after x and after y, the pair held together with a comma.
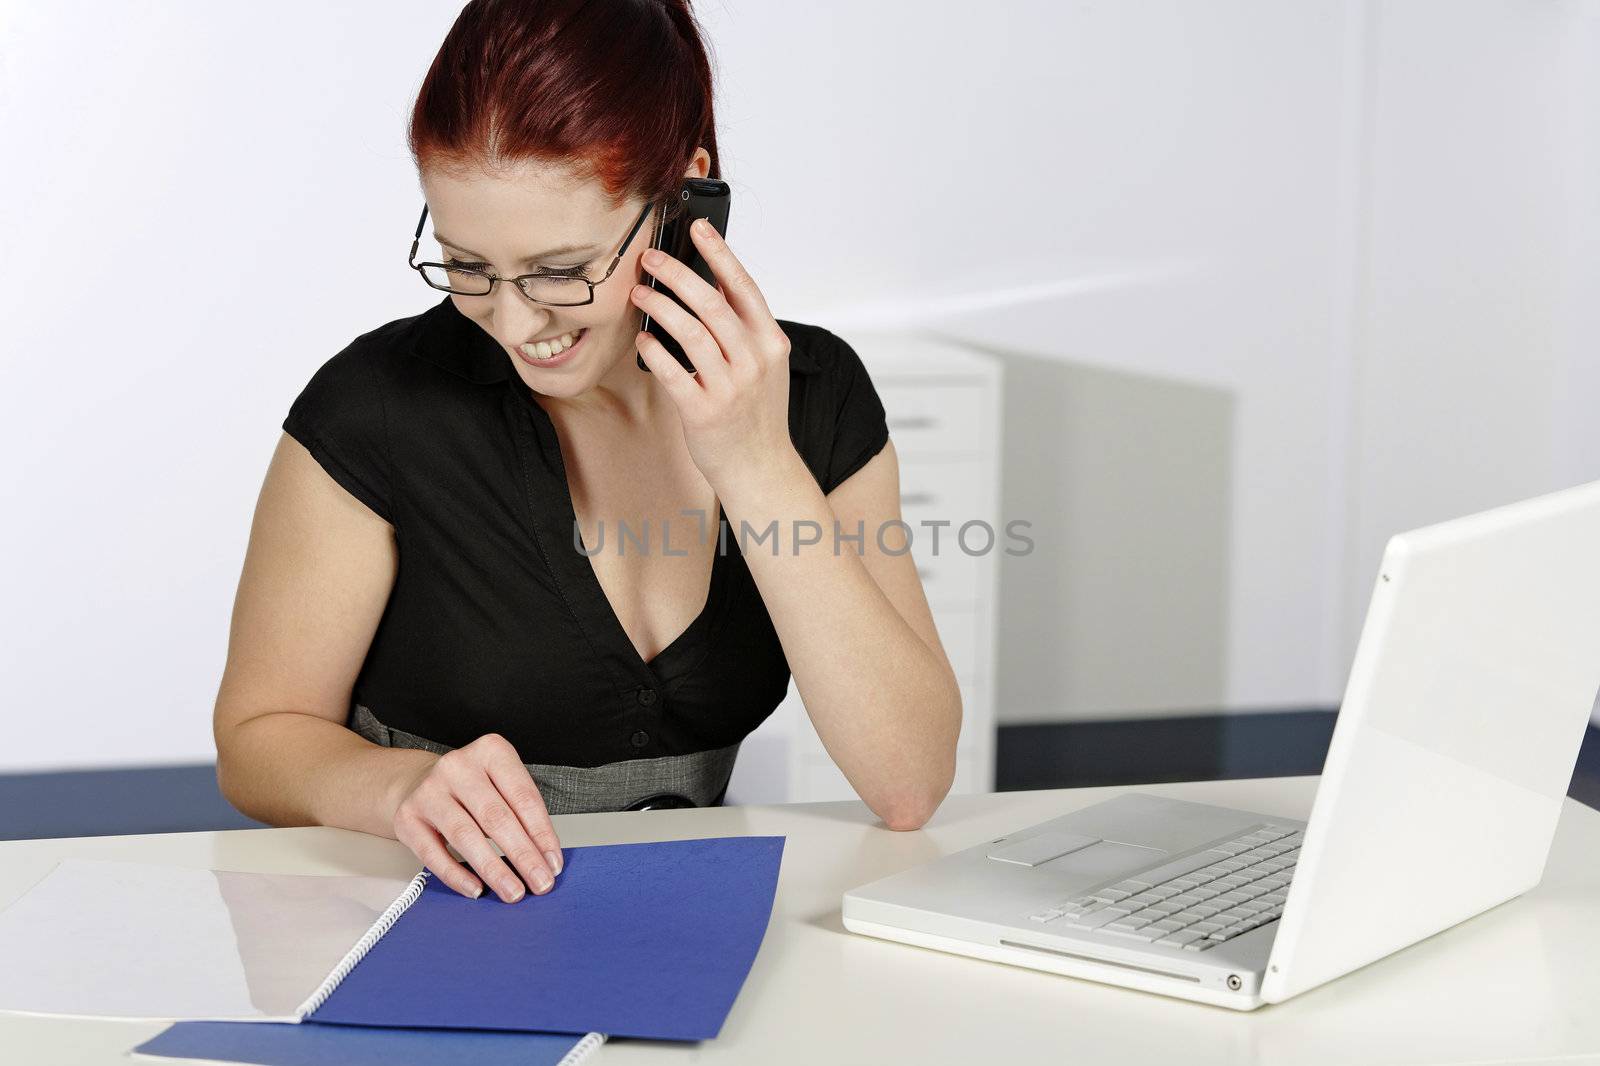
x: 620, y: 89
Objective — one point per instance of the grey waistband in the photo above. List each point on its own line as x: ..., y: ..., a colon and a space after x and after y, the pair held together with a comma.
x: 700, y: 777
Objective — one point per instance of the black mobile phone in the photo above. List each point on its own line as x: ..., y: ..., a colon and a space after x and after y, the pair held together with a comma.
x: 706, y: 198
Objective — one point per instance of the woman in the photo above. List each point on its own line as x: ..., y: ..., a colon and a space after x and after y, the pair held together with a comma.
x: 432, y: 640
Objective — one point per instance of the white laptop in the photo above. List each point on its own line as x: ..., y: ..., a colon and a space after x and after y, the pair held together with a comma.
x: 1467, y: 701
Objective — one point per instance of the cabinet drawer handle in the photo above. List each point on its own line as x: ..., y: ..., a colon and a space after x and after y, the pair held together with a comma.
x: 916, y: 499
x: 913, y: 422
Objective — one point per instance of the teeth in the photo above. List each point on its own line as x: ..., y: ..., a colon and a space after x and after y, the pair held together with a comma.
x: 549, y: 349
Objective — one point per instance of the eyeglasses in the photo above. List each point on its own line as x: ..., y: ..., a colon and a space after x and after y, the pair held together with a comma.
x: 556, y: 289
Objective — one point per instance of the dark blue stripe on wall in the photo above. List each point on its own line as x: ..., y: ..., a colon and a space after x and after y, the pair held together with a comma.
x: 180, y: 799
x: 1195, y: 748
x: 1202, y: 747
x: 159, y: 799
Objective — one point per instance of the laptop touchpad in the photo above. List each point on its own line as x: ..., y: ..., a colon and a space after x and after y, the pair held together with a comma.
x: 1108, y: 858
x: 1043, y: 847
x: 1076, y: 854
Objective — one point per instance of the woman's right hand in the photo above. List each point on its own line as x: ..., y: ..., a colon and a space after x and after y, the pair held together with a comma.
x: 475, y: 794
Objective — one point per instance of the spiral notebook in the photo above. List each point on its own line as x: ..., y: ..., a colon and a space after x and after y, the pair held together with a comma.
x: 651, y: 940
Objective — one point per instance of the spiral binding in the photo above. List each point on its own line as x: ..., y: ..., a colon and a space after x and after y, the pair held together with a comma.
x: 362, y: 946
x: 581, y: 1049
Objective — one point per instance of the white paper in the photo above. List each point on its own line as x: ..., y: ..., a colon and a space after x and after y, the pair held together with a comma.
x: 166, y: 943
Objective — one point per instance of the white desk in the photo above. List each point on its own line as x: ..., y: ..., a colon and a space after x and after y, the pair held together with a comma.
x: 1520, y: 983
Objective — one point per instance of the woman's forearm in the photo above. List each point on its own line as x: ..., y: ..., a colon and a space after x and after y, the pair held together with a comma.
x: 886, y: 707
x: 287, y: 768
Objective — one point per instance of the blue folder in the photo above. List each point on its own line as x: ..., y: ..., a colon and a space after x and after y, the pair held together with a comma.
x: 286, y: 1044
x: 644, y: 940
x: 639, y: 940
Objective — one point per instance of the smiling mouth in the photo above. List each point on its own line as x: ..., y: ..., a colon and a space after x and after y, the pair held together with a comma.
x: 540, y: 350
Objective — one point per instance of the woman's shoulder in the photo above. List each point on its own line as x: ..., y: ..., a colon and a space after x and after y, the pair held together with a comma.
x: 371, y: 408
x: 344, y: 415
x: 379, y: 360
x: 411, y: 351
x: 813, y: 349
x: 825, y: 368
x: 429, y: 354
x: 835, y: 414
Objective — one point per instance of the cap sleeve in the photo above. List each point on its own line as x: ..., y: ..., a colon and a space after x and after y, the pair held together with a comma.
x: 861, y: 428
x: 340, y: 418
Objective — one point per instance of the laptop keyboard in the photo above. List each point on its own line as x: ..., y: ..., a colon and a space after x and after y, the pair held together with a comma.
x: 1194, y: 903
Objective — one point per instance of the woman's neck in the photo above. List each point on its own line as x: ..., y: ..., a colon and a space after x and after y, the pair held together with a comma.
x: 626, y: 398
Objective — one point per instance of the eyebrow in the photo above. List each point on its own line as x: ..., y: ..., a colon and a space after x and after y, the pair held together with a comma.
x: 565, y: 249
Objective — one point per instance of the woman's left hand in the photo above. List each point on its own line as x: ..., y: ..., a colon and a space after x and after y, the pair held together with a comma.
x: 735, y: 408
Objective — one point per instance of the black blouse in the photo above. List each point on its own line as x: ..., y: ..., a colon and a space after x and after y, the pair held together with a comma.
x: 497, y: 622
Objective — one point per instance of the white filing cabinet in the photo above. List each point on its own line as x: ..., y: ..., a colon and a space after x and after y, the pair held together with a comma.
x: 943, y: 406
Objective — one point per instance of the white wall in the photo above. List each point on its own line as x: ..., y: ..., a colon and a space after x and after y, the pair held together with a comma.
x: 1468, y: 281
x: 1245, y: 196
x: 1171, y: 175
x: 1476, y: 380
x: 171, y: 159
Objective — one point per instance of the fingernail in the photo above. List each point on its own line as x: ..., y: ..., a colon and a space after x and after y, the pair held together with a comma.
x: 555, y: 860
x: 702, y: 227
x: 542, y: 882
x: 516, y: 894
x: 477, y: 892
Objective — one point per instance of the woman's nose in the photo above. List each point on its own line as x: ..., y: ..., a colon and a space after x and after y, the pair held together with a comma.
x: 519, y: 317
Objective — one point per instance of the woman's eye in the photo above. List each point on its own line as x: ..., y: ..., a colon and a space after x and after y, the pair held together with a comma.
x: 565, y: 271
